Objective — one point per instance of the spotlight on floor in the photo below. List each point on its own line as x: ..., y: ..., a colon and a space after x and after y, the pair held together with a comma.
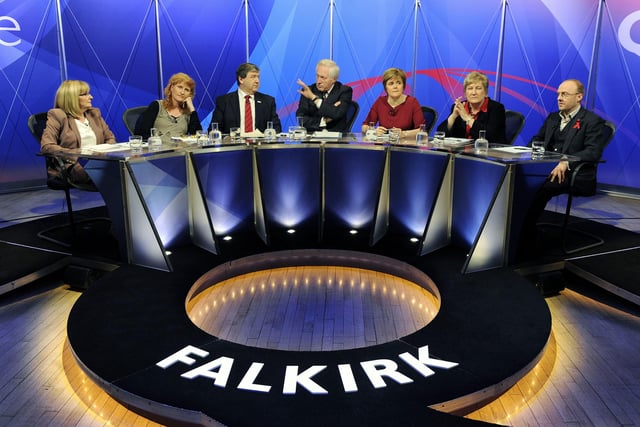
x: 414, y: 240
x: 353, y: 232
x: 291, y: 231
x: 227, y: 238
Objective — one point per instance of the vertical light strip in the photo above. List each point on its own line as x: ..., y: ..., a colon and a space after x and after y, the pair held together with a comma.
x: 415, y: 47
x: 593, y: 66
x: 246, y: 29
x: 503, y: 19
x: 159, y: 51
x: 63, y: 55
x: 332, y: 6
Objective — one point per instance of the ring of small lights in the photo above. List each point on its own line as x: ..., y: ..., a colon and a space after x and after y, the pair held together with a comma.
x: 138, y: 366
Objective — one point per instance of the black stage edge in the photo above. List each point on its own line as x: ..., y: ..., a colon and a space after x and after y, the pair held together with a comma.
x: 494, y: 324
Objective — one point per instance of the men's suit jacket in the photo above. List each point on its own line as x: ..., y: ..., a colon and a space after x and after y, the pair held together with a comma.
x: 227, y: 112
x: 583, y: 137
x: 312, y: 114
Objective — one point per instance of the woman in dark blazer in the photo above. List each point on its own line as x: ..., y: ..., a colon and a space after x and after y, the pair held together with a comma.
x: 476, y: 113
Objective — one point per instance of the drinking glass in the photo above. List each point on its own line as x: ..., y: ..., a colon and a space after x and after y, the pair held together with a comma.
x: 438, y: 138
x: 537, y: 149
x: 394, y: 136
x: 370, y: 135
x: 234, y: 133
x: 135, y: 143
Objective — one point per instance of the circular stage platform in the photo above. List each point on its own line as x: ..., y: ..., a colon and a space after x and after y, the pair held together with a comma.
x: 131, y: 332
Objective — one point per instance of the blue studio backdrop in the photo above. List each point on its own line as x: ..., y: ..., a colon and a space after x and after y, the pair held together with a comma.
x: 127, y: 50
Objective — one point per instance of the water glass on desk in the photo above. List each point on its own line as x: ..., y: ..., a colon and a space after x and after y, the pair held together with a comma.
x: 371, y: 133
x: 394, y: 136
x: 234, y: 133
x: 155, y: 142
x: 438, y: 138
x: 482, y: 144
x: 537, y: 149
x: 135, y: 144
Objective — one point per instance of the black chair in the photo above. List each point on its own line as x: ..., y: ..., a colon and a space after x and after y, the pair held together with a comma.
x: 130, y: 118
x: 352, y: 113
x: 37, y: 123
x: 608, y: 130
x: 430, y: 117
x: 514, y: 122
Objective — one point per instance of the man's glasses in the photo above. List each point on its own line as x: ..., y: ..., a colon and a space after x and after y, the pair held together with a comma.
x: 565, y: 95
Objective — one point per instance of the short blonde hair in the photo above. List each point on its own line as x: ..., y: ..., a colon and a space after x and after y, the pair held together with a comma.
x: 394, y: 73
x: 176, y: 79
x: 68, y: 96
x: 475, y: 77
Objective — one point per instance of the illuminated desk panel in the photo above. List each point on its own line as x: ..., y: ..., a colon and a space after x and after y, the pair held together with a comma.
x: 290, y: 181
x: 419, y: 197
x: 323, y: 190
x: 353, y: 177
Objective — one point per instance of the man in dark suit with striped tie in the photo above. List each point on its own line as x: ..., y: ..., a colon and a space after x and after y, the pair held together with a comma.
x: 246, y: 108
x: 324, y: 104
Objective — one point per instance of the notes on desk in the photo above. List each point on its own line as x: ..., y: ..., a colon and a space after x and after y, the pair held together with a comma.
x: 513, y: 149
x: 325, y: 134
x: 456, y: 142
x: 106, y: 148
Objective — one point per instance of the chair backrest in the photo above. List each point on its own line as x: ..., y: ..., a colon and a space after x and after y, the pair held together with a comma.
x: 352, y: 113
x: 130, y: 117
x: 37, y: 122
x: 430, y: 117
x: 608, y: 130
x: 514, y: 122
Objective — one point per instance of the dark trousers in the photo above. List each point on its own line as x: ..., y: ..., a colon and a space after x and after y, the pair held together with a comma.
x: 584, y: 185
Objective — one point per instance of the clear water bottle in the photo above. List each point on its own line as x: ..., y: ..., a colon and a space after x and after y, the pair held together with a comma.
x: 155, y: 142
x: 270, y: 132
x: 482, y: 144
x: 422, y: 137
x: 215, y: 136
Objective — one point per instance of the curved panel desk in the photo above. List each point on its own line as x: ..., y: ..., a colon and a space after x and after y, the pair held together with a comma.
x: 323, y: 191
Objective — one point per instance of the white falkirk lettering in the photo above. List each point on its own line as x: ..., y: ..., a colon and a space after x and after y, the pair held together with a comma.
x: 182, y: 356
x: 207, y: 370
x: 424, y: 359
x: 348, y: 380
x: 376, y: 369
x: 292, y: 377
x: 14, y: 27
x: 248, y: 383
